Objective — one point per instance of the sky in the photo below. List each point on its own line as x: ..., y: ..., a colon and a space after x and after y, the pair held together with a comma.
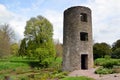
x: 105, y: 16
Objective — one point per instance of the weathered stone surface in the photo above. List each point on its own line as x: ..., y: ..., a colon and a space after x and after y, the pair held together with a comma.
x: 73, y: 46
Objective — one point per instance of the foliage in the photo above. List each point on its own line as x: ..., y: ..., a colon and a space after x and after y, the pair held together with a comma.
x: 53, y: 63
x: 100, y: 61
x: 77, y: 78
x: 59, y: 48
x: 57, y: 64
x: 107, y: 57
x: 60, y: 75
x: 15, y: 58
x: 107, y: 63
x: 110, y: 64
x: 102, y: 70
x: 11, y: 65
x: 7, y: 31
x: 101, y: 49
x: 14, y: 49
x: 116, y: 53
x: 116, y: 45
x: 19, y: 68
x: 39, y: 29
x: 6, y: 37
x: 44, y: 56
x: 22, y: 51
x: 38, y: 42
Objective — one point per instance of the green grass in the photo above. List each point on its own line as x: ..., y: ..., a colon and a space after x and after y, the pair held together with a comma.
x: 18, y: 68
x: 77, y: 78
x: 11, y: 65
x: 12, y: 69
x: 56, y: 61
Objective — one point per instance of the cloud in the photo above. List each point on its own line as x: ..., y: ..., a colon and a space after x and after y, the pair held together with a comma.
x: 16, y: 22
x: 106, y: 18
x: 5, y: 15
x: 56, y: 18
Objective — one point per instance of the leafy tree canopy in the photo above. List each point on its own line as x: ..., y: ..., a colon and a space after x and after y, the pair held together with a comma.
x: 101, y: 49
x: 14, y: 49
x: 38, y: 41
x: 116, y: 53
x: 116, y: 45
x: 39, y: 29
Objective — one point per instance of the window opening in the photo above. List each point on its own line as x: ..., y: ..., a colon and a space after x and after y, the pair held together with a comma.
x: 83, y: 36
x: 83, y: 17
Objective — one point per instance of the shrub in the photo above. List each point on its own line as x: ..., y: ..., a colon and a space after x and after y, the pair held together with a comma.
x: 56, y: 64
x: 59, y: 75
x: 77, y: 78
x: 102, y: 70
x: 107, y: 57
x: 101, y: 49
x: 108, y: 66
x: 110, y: 63
x: 44, y: 56
x: 116, y: 53
x: 107, y: 63
x: 100, y: 61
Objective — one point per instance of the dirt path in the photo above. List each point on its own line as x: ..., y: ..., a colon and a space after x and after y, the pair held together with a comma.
x: 90, y: 73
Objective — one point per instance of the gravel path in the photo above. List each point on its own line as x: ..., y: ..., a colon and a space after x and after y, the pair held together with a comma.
x: 90, y: 73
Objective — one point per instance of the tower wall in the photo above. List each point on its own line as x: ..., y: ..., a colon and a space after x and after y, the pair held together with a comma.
x: 77, y: 38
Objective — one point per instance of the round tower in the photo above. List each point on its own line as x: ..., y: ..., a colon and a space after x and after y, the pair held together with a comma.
x: 77, y: 39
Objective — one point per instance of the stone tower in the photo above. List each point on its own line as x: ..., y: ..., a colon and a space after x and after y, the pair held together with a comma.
x: 77, y: 39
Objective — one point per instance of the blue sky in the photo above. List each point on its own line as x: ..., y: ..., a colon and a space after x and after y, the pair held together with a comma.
x: 37, y: 6
x: 105, y: 16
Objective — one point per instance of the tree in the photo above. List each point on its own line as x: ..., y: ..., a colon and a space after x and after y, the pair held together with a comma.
x: 8, y: 32
x: 14, y: 49
x: 116, y: 53
x: 39, y: 29
x: 116, y: 45
x: 38, y: 41
x: 22, y: 49
x: 100, y: 50
x: 6, y: 36
x: 59, y: 48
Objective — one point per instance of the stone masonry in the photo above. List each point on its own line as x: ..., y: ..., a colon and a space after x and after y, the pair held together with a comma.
x: 77, y: 39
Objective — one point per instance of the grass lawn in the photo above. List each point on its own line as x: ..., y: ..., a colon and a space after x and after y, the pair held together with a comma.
x: 17, y: 68
x: 77, y: 78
